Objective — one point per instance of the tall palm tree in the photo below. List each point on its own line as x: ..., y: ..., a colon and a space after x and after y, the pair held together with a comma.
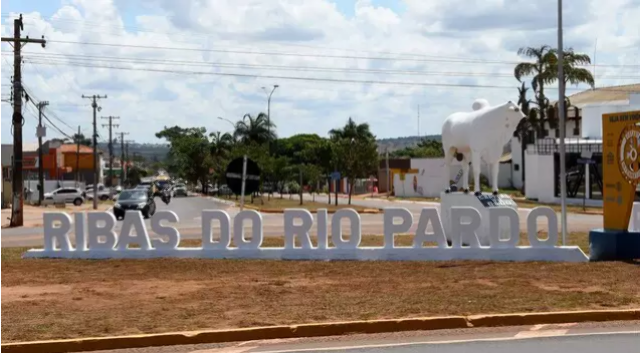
x: 255, y: 129
x: 219, y: 148
x: 541, y: 71
x: 573, y: 74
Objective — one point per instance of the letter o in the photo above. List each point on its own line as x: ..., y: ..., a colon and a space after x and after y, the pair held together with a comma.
x: 532, y: 227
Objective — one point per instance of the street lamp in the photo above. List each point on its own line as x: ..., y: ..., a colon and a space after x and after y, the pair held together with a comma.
x: 269, y: 111
x: 229, y: 121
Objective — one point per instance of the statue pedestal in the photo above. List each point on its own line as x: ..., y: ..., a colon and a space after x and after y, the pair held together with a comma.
x: 482, y: 203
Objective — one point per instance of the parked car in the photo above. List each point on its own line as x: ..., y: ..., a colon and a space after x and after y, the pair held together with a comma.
x: 180, y: 190
x: 104, y: 193
x: 134, y: 200
x: 66, y: 195
x: 224, y: 191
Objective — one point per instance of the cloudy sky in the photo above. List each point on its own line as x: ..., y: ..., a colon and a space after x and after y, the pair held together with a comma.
x: 188, y: 62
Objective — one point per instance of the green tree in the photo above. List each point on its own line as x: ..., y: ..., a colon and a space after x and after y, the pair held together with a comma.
x: 355, y: 151
x: 190, y: 153
x: 257, y: 129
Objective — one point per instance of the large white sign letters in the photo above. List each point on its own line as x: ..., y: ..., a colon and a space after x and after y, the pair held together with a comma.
x: 95, y: 237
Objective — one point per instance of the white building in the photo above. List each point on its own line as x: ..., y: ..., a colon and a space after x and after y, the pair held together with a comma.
x: 539, y: 174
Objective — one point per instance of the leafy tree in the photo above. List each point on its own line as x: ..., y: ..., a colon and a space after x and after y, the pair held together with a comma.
x: 190, y: 152
x: 355, y: 150
x: 80, y: 138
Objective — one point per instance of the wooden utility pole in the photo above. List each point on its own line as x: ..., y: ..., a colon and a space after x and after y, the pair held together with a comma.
x: 40, y: 133
x: 78, y: 156
x: 122, y: 160
x: 17, y: 200
x: 111, y: 125
x: 94, y: 104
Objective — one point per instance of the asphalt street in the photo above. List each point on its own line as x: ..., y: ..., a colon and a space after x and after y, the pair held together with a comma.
x: 189, y: 211
x: 610, y: 337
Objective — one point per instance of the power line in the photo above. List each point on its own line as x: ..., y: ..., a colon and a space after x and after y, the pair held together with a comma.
x: 317, y: 79
x: 208, y: 35
x: 447, y: 60
x: 57, y: 57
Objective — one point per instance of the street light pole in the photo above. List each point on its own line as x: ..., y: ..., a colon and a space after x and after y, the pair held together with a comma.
x: 269, y: 113
x: 561, y: 116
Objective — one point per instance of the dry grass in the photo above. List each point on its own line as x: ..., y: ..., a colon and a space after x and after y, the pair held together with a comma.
x: 279, y: 204
x: 55, y: 299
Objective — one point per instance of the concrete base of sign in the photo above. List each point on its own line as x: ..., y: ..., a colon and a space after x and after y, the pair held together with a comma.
x: 522, y: 253
x: 613, y: 245
x: 483, y: 203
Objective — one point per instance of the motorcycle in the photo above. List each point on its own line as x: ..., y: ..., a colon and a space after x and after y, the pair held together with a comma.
x: 166, y: 197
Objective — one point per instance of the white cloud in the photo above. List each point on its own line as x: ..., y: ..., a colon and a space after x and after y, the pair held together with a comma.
x: 434, y: 34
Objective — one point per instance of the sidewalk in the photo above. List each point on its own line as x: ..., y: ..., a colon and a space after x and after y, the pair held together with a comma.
x: 32, y: 216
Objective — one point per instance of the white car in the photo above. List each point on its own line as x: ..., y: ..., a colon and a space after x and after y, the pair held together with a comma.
x: 66, y: 195
x: 104, y: 193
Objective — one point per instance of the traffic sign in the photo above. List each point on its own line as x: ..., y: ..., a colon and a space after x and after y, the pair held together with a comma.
x: 234, y: 176
x: 335, y: 176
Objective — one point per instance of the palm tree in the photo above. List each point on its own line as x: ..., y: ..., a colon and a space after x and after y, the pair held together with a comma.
x: 255, y: 129
x: 572, y: 74
x: 219, y: 148
x: 541, y: 71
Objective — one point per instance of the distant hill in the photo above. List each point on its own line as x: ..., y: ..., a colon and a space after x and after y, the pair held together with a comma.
x: 150, y: 151
x: 398, y: 143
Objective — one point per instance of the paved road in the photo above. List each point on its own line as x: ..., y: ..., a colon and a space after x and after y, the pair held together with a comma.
x: 577, y: 222
x: 189, y: 210
x: 610, y: 337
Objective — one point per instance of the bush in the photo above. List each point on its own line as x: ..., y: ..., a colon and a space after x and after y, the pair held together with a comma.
x: 293, y: 187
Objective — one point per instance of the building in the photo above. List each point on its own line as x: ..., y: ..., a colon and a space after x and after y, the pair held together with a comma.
x: 61, y: 161
x: 537, y: 168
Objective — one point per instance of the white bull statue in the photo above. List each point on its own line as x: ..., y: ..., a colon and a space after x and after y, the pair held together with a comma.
x: 480, y: 134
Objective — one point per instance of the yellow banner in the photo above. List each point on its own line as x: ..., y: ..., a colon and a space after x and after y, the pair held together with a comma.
x: 620, y: 166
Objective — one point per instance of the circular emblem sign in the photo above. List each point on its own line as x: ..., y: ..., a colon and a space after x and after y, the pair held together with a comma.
x: 629, y: 153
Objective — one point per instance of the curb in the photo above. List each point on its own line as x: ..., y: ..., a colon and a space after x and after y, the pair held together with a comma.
x: 329, y: 211
x: 317, y: 330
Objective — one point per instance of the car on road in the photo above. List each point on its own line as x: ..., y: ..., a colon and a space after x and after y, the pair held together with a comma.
x: 134, y: 200
x: 180, y: 190
x: 65, y: 195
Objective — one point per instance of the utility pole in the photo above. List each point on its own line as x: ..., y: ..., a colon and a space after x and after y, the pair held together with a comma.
x: 269, y: 114
x: 122, y: 160
x: 40, y: 133
x: 127, y: 156
x: 111, y: 125
x: 94, y: 104
x: 78, y: 156
x: 418, y: 120
x: 563, y: 126
x: 17, y: 201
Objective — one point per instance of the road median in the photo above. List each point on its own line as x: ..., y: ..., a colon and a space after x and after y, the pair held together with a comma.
x: 316, y: 330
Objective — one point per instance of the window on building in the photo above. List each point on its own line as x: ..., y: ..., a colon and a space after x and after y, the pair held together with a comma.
x: 576, y: 129
x: 516, y: 167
